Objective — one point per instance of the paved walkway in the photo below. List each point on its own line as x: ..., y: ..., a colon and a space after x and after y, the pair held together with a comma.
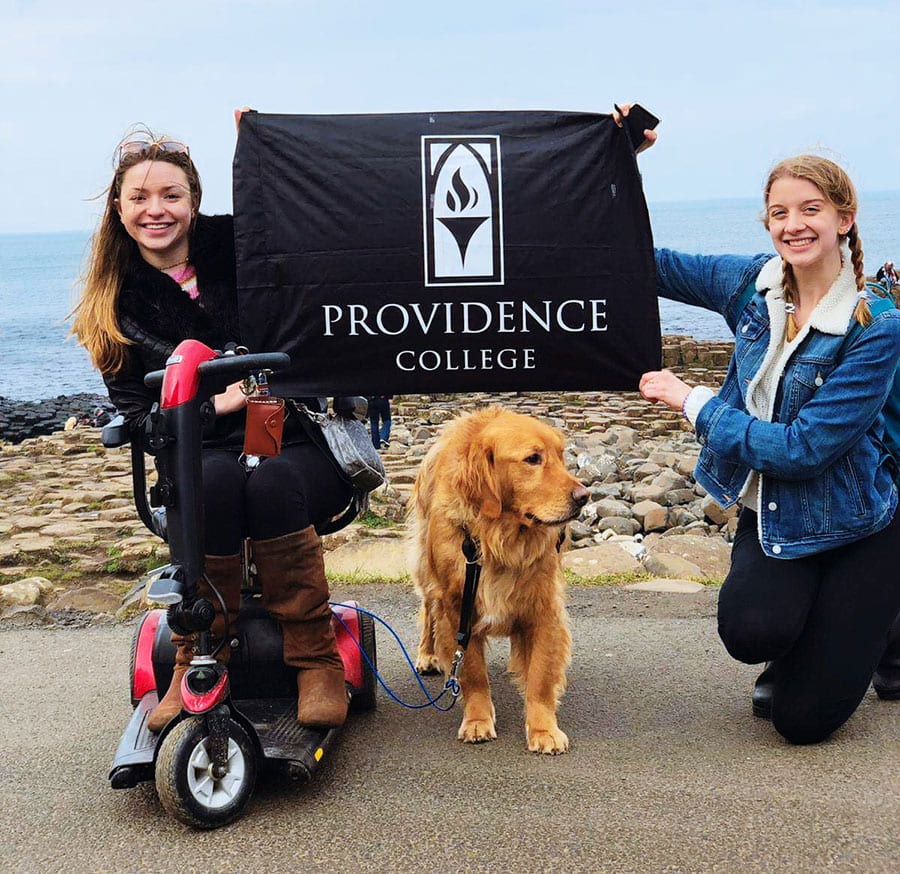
x: 669, y: 771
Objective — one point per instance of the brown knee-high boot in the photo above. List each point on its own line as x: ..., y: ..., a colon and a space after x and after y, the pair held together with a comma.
x: 226, y: 574
x: 292, y: 573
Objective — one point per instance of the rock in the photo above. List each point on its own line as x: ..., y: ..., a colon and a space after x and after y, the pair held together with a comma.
x: 675, y: 497
x: 651, y: 515
x: 90, y: 599
x: 673, y: 566
x: 25, y: 616
x: 716, y: 514
x: 8, y: 551
x: 711, y: 554
x: 646, y: 470
x: 23, y: 420
x: 605, y: 490
x: 620, y: 436
x: 613, y: 507
x: 682, y: 516
x: 25, y: 593
x: 579, y: 531
x: 606, y: 558
x: 19, y: 523
x: 687, y: 587
x: 125, y: 513
x: 440, y: 416
x: 649, y: 492
x: 589, y: 473
x: 382, y: 559
x: 619, y: 525
x: 686, y: 464
x: 32, y: 544
x: 71, y: 530
x: 136, y: 553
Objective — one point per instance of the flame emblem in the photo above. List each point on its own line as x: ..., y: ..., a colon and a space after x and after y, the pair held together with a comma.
x: 460, y: 195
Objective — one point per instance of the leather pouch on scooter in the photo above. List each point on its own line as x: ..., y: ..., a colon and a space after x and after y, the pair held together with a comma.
x: 265, y: 424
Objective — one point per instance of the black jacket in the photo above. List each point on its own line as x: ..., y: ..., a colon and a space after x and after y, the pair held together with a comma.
x: 156, y: 314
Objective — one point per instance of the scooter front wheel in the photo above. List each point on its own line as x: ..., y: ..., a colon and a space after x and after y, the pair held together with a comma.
x: 187, y: 787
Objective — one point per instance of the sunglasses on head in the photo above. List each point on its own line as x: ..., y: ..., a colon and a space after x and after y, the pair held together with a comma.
x: 143, y: 148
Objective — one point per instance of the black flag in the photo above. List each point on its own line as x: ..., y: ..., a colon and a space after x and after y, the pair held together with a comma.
x: 445, y: 252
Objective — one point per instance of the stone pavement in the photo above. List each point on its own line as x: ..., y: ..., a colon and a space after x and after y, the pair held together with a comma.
x: 71, y: 542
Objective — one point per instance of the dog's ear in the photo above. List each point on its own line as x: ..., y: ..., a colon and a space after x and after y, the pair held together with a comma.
x: 478, y: 479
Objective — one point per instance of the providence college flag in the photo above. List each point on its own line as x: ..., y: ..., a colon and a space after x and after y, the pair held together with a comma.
x: 445, y: 252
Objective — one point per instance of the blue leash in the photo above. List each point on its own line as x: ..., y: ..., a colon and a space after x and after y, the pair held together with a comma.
x: 451, y: 686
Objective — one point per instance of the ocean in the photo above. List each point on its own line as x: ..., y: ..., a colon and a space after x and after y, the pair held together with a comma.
x: 39, y: 272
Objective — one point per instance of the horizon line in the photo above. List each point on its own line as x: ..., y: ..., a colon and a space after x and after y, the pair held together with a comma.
x: 650, y: 203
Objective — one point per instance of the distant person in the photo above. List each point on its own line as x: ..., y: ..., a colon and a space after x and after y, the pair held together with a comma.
x: 380, y: 412
x: 161, y: 272
x: 887, y: 275
x: 795, y: 434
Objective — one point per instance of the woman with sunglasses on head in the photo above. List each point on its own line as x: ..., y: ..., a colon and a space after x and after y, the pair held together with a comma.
x: 160, y: 272
x: 795, y: 434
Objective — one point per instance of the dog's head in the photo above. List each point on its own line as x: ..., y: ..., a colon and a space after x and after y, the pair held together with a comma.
x: 514, y: 464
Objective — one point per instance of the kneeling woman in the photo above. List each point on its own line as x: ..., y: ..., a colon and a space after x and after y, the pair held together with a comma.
x: 795, y: 434
x: 160, y: 272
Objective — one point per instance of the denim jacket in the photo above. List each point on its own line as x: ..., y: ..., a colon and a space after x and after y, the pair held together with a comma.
x: 826, y: 478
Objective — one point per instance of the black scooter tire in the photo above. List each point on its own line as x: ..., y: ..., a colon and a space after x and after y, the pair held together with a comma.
x: 133, y: 662
x: 191, y: 795
x: 365, y: 698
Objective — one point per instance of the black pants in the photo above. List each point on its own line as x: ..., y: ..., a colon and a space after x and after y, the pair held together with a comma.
x: 287, y: 493
x: 823, y: 622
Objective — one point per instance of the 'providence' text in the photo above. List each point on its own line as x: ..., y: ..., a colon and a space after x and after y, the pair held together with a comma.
x: 465, y: 317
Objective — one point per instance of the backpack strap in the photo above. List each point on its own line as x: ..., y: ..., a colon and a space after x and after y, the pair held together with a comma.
x: 891, y: 411
x: 745, y: 296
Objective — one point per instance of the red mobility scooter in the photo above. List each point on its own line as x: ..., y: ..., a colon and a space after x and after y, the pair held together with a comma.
x: 205, y: 762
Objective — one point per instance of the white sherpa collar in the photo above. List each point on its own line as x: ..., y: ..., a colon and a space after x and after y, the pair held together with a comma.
x: 832, y: 314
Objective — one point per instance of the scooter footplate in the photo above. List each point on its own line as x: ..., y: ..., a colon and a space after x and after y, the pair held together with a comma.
x: 282, y: 737
x: 135, y: 755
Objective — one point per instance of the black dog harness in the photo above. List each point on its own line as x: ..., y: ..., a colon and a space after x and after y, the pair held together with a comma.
x: 470, y: 590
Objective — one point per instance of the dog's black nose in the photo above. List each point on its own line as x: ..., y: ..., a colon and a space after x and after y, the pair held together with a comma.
x: 580, y: 496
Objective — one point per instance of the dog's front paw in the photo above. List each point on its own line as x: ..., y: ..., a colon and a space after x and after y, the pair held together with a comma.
x: 427, y: 664
x: 477, y: 731
x: 550, y: 741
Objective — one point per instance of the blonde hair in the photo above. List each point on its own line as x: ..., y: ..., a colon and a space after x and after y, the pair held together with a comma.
x: 96, y: 324
x: 838, y: 189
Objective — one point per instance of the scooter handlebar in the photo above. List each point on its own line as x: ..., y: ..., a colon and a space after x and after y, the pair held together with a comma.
x: 227, y: 366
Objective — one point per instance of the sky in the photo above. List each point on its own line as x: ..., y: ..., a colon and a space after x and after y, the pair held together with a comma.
x: 737, y: 85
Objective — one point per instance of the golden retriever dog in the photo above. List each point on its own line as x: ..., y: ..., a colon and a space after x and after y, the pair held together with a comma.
x: 500, y: 476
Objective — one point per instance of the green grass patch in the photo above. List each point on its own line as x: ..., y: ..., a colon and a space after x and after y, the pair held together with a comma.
x: 57, y: 573
x: 113, y: 564
x: 60, y: 552
x: 707, y: 581
x: 372, y: 520
x: 621, y: 579
x: 150, y: 562
x: 360, y: 578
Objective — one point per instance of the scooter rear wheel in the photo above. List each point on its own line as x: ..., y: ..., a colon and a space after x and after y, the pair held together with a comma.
x: 365, y: 698
x: 184, y: 780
